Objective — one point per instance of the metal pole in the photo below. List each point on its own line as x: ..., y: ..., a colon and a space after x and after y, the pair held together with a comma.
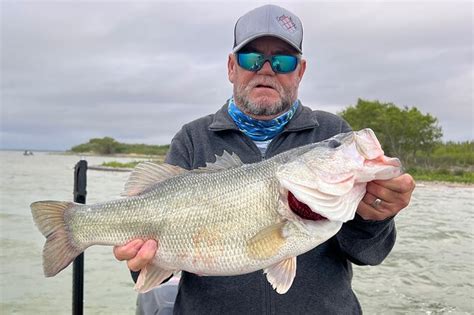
x: 80, y: 183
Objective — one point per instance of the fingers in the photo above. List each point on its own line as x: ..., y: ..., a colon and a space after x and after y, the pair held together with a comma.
x: 368, y: 212
x: 144, y: 256
x: 138, y: 253
x: 129, y: 250
x: 397, y: 190
x: 394, y: 193
x: 403, y: 183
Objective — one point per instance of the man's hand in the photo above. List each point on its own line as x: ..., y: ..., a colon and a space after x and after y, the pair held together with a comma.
x: 394, y: 195
x: 137, y: 253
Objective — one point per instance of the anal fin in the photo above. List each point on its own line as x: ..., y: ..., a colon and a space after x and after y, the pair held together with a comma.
x: 151, y: 276
x: 282, y: 274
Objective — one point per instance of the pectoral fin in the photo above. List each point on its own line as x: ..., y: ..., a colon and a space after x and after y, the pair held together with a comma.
x: 151, y: 276
x: 281, y: 275
x: 267, y: 242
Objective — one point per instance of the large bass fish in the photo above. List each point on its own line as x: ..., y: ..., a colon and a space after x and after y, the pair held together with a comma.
x: 228, y: 218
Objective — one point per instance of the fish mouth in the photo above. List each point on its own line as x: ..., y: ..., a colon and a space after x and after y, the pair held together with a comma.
x: 303, y: 210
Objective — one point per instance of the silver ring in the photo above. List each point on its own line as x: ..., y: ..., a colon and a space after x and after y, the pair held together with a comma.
x: 376, y: 203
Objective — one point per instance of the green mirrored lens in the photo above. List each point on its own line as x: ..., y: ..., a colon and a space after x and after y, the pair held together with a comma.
x: 284, y: 63
x: 250, y: 61
x: 279, y: 63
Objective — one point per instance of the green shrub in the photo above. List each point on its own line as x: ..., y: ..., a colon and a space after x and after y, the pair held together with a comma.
x: 108, y: 145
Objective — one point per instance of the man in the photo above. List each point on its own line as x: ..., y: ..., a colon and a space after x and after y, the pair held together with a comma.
x: 263, y: 118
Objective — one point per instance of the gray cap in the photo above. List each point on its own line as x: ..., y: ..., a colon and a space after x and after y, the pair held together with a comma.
x: 269, y: 20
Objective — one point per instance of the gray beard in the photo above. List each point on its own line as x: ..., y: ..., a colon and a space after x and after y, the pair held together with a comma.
x: 251, y: 108
x: 241, y: 97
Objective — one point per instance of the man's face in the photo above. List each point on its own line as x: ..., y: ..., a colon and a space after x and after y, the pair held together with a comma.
x: 265, y: 94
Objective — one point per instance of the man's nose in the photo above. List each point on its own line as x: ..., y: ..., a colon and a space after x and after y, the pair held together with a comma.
x: 266, y: 68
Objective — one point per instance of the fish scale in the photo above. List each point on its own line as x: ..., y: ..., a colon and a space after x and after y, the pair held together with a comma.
x: 230, y: 212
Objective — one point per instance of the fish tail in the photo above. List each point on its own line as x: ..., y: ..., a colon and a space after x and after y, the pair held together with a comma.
x: 59, y: 250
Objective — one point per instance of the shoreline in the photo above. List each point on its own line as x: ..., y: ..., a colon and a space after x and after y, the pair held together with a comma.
x: 109, y: 168
x: 419, y: 183
x: 425, y: 183
x: 119, y: 155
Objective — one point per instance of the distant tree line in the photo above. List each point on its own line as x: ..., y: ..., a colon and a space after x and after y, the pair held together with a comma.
x: 457, y: 155
x: 406, y: 133
x: 108, y: 145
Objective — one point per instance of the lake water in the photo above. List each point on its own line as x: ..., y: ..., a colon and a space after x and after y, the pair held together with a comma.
x: 430, y: 270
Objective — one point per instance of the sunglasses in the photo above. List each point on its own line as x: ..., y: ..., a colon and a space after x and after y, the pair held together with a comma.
x: 253, y: 61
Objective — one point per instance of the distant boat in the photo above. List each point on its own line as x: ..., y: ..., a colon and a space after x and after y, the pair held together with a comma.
x: 28, y: 152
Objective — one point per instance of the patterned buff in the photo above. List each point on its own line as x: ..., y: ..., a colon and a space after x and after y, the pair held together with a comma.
x: 260, y: 130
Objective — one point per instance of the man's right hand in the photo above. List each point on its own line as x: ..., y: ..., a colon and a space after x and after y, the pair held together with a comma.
x: 138, y: 253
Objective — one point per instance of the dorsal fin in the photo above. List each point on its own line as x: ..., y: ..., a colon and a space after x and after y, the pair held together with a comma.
x: 223, y: 162
x: 147, y: 174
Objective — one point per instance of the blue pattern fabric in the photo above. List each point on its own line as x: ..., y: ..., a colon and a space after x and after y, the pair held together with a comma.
x: 260, y: 130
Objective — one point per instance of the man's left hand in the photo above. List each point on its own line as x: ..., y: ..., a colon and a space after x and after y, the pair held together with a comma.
x: 394, y: 195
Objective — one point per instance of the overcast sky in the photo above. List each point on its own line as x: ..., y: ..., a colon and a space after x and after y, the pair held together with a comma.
x: 138, y: 70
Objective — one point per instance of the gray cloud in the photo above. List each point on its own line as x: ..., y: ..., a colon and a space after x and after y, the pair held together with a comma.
x: 137, y: 71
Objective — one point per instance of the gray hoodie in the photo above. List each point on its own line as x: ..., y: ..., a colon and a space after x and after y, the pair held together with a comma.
x: 323, y: 277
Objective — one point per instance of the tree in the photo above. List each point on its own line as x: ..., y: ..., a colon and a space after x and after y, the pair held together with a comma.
x: 422, y: 133
x: 402, y: 132
x: 106, y: 145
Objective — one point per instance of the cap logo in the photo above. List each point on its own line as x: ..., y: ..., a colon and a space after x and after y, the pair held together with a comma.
x: 287, y: 23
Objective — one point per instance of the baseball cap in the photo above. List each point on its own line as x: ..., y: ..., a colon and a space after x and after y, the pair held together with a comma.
x: 268, y: 20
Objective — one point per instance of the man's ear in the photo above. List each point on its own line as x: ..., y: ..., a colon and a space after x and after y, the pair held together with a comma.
x: 301, y: 69
x: 231, y: 67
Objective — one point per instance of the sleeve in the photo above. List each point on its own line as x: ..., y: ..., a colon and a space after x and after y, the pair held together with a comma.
x: 367, y: 242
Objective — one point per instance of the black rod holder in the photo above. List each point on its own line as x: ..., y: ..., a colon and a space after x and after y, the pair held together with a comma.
x: 80, y: 183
